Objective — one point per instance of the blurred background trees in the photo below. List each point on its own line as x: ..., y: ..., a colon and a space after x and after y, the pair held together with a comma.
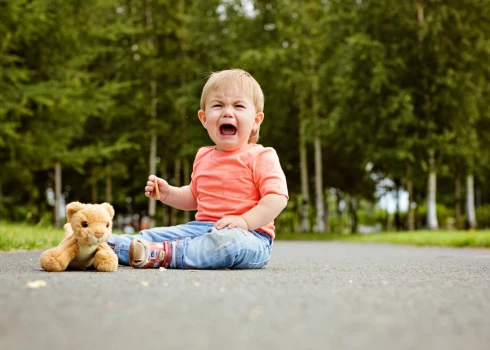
x: 369, y: 104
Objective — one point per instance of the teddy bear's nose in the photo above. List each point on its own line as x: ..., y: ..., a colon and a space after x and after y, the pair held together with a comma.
x: 98, y: 234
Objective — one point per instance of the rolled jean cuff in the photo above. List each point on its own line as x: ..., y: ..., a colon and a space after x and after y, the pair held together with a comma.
x: 178, y: 258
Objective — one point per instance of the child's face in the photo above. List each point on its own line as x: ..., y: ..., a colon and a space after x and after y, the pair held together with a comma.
x: 229, y: 117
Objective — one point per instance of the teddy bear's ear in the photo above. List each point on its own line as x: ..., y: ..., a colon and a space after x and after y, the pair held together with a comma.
x: 109, y: 208
x: 72, y: 208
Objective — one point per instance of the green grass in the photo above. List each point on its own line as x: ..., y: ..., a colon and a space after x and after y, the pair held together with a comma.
x: 420, y: 238
x: 15, y: 236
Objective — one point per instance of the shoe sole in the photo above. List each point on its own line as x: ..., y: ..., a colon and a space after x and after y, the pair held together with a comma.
x: 131, y: 253
x: 149, y: 260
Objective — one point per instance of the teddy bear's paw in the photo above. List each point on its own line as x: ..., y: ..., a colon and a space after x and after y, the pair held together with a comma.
x: 107, y: 265
x: 51, y: 263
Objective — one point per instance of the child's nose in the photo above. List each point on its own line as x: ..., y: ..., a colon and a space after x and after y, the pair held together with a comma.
x: 228, y: 112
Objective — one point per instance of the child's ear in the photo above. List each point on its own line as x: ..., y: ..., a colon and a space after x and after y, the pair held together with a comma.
x: 259, y: 118
x: 202, y: 117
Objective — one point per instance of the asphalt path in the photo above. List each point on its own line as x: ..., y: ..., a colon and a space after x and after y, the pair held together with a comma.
x: 313, y: 295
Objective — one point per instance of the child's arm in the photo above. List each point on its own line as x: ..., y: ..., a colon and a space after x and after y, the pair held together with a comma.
x: 177, y: 197
x: 266, y: 210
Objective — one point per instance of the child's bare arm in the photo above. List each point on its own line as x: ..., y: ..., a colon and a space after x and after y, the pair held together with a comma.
x: 266, y: 210
x: 177, y: 197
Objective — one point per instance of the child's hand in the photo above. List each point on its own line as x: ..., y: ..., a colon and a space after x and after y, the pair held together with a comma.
x: 231, y: 222
x: 152, y: 192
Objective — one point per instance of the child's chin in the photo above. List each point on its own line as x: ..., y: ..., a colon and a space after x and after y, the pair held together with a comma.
x: 226, y: 144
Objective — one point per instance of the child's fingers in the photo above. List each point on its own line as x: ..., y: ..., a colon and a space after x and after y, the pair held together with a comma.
x: 229, y: 223
x: 151, y: 190
x: 152, y: 179
x: 150, y: 195
x: 218, y: 225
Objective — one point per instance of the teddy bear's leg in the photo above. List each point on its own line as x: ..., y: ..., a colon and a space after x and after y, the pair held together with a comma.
x: 105, y: 259
x: 57, y: 259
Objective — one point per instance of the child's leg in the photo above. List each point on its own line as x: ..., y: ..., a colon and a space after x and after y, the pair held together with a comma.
x: 218, y: 249
x: 120, y: 243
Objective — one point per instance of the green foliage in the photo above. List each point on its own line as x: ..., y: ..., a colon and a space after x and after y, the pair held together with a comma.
x: 483, y: 216
x: 371, y: 218
x: 377, y: 87
x: 445, y: 215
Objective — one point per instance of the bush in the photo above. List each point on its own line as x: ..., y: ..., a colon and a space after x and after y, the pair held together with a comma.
x: 446, y: 216
x: 377, y: 216
x: 483, y: 216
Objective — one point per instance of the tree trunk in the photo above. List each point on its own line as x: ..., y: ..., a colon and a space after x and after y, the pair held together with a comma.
x: 418, y: 218
x: 353, y: 215
x: 177, y: 178
x: 410, y: 215
x: 327, y: 222
x: 470, y: 202
x: 457, y: 198
x: 57, y: 194
x: 183, y: 109
x: 153, y: 118
x: 420, y: 18
x: 153, y: 150
x: 398, y: 223
x: 93, y: 186
x: 340, y: 222
x: 303, y: 163
x: 431, y: 183
x: 320, y: 201
x: 432, y: 223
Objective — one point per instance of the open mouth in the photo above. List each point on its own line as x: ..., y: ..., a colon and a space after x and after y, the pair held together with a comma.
x: 227, y: 130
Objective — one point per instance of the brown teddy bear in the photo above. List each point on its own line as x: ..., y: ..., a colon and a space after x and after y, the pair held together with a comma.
x: 86, y: 233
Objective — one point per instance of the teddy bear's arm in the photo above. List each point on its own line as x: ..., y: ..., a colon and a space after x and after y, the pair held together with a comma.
x: 57, y: 259
x: 68, y: 229
x: 105, y: 259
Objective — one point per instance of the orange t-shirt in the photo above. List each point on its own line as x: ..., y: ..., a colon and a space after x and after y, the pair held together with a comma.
x: 232, y: 183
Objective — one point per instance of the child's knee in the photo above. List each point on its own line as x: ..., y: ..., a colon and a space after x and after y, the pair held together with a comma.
x: 231, y: 238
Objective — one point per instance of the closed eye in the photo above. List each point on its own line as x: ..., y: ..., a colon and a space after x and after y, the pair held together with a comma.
x: 239, y: 106
x: 216, y: 105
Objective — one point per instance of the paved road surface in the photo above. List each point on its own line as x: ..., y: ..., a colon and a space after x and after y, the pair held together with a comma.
x: 311, y: 296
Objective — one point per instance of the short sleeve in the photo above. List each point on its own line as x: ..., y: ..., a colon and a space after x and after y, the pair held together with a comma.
x: 268, y: 174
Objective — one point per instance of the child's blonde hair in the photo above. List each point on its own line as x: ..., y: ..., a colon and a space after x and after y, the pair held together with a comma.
x: 238, y: 79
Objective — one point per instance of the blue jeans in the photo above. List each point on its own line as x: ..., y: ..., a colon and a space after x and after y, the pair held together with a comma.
x: 198, y: 245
